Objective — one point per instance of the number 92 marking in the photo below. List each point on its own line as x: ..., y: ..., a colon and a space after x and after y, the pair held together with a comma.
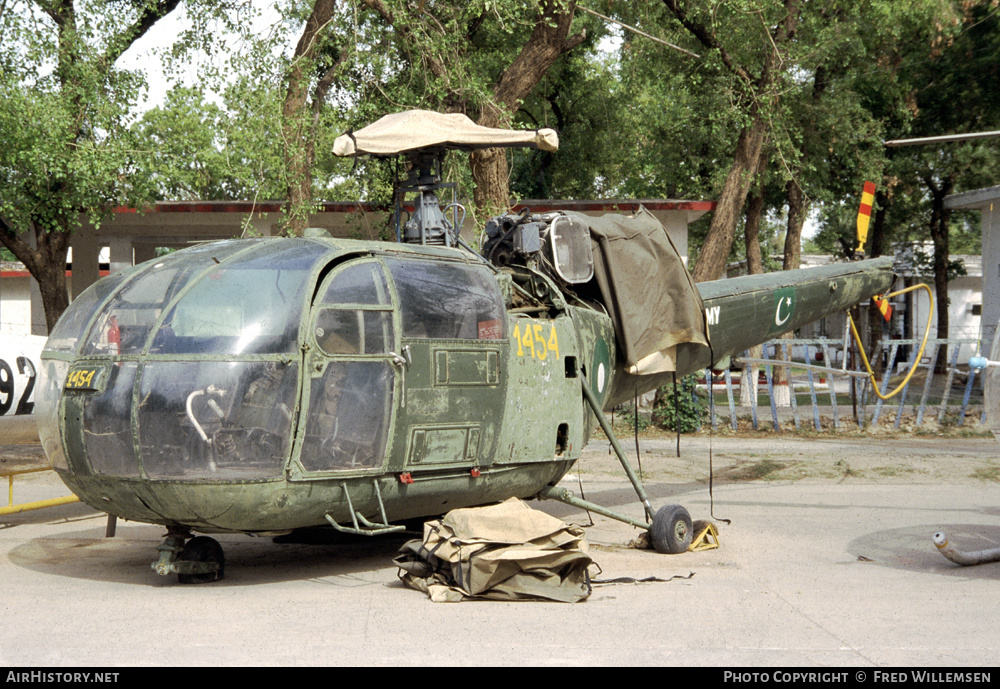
x: 24, y: 366
x: 534, y: 343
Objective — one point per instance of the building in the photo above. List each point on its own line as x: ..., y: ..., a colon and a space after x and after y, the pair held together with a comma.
x: 988, y: 202
x: 129, y: 237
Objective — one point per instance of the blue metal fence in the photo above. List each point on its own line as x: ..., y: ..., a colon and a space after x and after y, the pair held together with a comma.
x: 823, y: 359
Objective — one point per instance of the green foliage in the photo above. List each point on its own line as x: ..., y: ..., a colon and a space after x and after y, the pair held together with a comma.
x: 625, y: 419
x: 683, y: 414
x: 921, y: 259
x: 189, y: 153
x: 66, y: 108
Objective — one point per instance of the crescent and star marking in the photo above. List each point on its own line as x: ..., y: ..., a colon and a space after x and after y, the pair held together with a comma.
x: 778, y: 320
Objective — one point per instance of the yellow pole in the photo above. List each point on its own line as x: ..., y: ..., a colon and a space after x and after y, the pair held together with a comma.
x: 38, y: 504
x: 11, y: 508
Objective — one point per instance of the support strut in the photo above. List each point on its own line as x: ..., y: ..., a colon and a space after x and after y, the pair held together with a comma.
x: 606, y: 427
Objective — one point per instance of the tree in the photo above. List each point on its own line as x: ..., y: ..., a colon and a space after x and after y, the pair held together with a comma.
x: 756, y: 75
x: 475, y: 58
x: 954, y: 86
x: 187, y: 157
x: 314, y: 66
x: 64, y: 116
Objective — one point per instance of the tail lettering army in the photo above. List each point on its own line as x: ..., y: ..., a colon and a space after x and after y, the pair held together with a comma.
x: 712, y: 315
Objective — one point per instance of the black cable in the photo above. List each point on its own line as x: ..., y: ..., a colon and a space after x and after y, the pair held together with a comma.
x: 711, y: 468
x: 677, y: 425
x: 635, y: 412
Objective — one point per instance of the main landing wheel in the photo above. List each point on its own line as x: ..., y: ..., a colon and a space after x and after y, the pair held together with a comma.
x: 203, y: 549
x: 671, y: 531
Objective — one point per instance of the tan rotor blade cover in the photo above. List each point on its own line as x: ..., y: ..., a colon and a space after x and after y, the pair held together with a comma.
x: 414, y: 129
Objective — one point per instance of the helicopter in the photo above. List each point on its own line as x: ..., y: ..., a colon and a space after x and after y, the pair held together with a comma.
x: 269, y: 385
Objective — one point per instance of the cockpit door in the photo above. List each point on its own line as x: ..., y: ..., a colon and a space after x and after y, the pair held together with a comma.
x: 453, y: 339
x: 350, y: 374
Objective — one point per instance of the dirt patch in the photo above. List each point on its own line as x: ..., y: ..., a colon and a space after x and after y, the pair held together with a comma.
x: 895, y: 458
x: 20, y: 457
x: 752, y: 471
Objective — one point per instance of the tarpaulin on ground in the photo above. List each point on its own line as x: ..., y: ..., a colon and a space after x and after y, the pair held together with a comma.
x: 500, y: 552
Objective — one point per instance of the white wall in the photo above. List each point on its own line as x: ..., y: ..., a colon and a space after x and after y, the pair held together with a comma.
x: 963, y: 293
x: 15, y: 306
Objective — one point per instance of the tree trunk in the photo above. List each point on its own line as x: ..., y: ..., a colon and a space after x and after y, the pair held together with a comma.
x: 549, y: 39
x: 51, y: 278
x: 715, y: 250
x: 299, y: 134
x: 755, y: 266
x: 751, y: 233
x: 798, y: 209
x: 711, y: 263
x: 876, y: 236
x: 939, y: 235
x: 46, y: 261
x: 491, y: 176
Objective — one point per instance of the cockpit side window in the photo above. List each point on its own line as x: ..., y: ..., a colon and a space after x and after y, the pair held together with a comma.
x: 448, y: 300
x: 356, y: 313
x: 358, y: 283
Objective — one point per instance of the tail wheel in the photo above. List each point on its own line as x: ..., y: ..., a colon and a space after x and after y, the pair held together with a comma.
x: 671, y: 531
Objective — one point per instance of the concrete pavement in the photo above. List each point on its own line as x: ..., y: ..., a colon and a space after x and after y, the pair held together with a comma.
x: 809, y: 573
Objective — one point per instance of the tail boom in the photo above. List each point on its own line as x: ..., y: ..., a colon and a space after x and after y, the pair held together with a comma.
x: 746, y: 311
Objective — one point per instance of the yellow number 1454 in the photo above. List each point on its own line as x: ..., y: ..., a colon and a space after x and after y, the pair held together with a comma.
x: 533, y: 342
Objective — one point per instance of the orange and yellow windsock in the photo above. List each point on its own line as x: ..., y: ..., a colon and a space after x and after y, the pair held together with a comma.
x: 865, y: 214
x: 884, y: 307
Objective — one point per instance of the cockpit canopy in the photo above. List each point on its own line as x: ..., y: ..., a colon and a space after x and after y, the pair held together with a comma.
x: 236, y: 300
x: 194, y: 366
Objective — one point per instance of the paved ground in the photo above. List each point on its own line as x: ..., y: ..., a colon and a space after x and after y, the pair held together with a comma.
x: 823, y: 564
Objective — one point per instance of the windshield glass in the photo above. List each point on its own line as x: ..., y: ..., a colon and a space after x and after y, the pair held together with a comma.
x: 349, y: 412
x: 251, y: 305
x: 215, y: 419
x: 126, y: 320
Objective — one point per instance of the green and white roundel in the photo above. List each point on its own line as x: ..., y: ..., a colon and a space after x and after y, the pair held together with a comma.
x: 600, y: 369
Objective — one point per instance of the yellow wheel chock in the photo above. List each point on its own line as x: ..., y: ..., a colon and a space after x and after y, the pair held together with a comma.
x: 707, y: 537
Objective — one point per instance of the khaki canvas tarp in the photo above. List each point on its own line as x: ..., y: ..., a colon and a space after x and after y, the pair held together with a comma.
x: 500, y: 552
x: 413, y: 129
x: 647, y: 290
